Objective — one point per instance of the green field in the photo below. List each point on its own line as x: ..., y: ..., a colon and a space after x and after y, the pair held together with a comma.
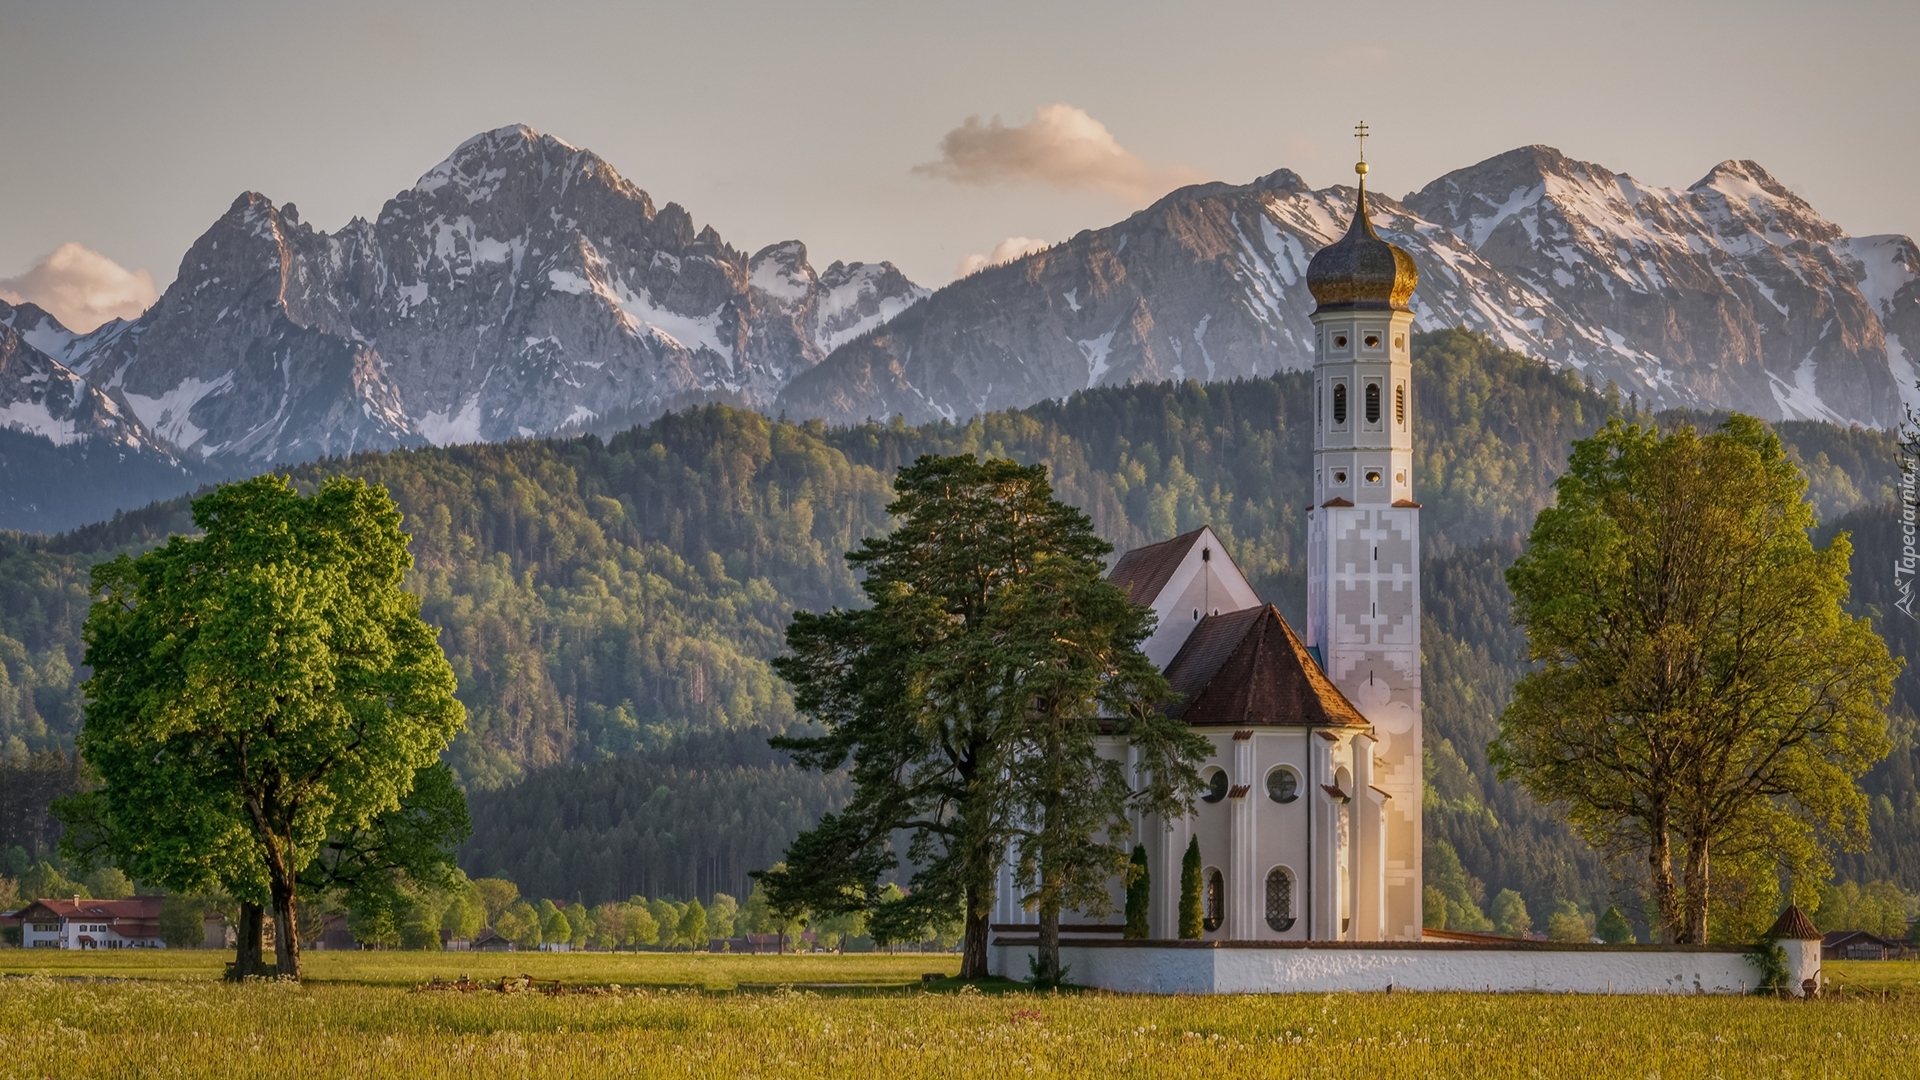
x: 164, y: 1015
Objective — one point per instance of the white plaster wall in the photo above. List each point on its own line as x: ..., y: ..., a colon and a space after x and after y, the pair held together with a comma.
x: 1174, y: 970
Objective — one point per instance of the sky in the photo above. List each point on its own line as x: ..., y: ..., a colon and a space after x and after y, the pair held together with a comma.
x: 935, y: 136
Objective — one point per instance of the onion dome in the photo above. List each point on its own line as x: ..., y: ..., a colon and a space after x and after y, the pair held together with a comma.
x: 1360, y: 271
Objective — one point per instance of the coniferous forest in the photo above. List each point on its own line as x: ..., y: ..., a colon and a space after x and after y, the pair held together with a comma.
x: 610, y: 608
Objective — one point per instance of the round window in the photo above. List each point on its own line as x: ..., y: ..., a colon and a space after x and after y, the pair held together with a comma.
x: 1216, y: 781
x: 1283, y: 785
x: 1373, y: 341
x: 1340, y: 478
x: 1373, y: 476
x: 1340, y: 341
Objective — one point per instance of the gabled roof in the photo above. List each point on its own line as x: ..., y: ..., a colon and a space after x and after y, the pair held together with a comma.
x: 1842, y: 937
x: 1144, y: 571
x: 1248, y: 669
x: 137, y: 907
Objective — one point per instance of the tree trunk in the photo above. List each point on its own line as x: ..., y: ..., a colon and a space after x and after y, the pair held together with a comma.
x: 1666, y: 899
x: 1699, y: 881
x: 247, y: 938
x: 286, y: 931
x: 973, y: 949
x: 1047, y: 970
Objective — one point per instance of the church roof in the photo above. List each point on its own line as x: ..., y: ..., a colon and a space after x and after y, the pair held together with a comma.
x: 1360, y: 271
x: 1248, y: 669
x: 1144, y: 571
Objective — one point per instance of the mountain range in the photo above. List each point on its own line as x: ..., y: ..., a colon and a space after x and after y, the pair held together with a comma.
x: 524, y: 288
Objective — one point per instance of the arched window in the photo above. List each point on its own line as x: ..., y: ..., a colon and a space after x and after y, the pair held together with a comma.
x: 1280, y: 899
x: 1283, y: 785
x: 1373, y: 403
x: 1216, y: 901
x: 1216, y: 786
x: 1400, y: 404
x: 1339, y: 403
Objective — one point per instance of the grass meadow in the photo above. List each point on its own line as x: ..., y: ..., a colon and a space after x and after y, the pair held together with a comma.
x: 867, y: 1016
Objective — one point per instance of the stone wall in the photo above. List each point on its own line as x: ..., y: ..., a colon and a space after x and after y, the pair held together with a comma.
x: 1180, y: 967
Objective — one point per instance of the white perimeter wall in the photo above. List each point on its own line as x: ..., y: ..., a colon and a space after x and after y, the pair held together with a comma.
x: 1239, y: 970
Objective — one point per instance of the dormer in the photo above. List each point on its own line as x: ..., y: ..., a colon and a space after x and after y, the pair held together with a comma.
x: 1183, y: 580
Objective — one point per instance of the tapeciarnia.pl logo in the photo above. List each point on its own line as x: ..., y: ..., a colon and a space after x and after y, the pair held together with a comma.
x: 1905, y: 563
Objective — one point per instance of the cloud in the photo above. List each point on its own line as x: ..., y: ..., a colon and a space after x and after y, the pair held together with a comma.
x: 82, y: 288
x: 1003, y: 252
x: 1061, y: 146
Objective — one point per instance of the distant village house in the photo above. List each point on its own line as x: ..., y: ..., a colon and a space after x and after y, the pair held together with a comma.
x: 133, y: 923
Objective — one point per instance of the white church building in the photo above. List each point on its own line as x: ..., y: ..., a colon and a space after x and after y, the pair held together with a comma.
x: 1309, y: 827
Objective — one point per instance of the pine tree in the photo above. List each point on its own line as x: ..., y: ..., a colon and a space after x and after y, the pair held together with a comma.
x: 1192, y: 918
x: 1139, y: 894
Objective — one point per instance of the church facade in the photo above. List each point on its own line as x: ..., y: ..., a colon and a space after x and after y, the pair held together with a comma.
x: 1309, y: 824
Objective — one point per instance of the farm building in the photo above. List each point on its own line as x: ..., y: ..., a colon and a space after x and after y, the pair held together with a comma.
x: 1858, y: 945
x: 133, y: 923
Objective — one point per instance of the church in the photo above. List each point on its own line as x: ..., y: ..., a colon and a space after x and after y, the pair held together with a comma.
x: 1309, y: 822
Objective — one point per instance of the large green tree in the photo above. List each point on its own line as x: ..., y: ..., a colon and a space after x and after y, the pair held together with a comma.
x: 1068, y: 669
x: 258, y: 689
x: 941, y: 689
x: 1700, y: 700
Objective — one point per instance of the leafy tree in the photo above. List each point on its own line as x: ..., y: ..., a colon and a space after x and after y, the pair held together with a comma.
x: 1192, y: 918
x: 1509, y: 914
x: 1700, y: 698
x: 378, y: 869
x: 1614, y: 929
x: 1433, y: 913
x: 693, y: 926
x: 555, y: 927
x: 666, y: 915
x: 1139, y: 894
x: 464, y: 915
x: 107, y: 883
x: 1568, y: 924
x: 721, y: 915
x: 952, y: 677
x: 421, y: 927
x: 642, y: 927
x: 496, y: 896
x: 755, y: 915
x: 45, y: 882
x: 182, y: 921
x: 610, y: 926
x: 832, y: 931
x: 1456, y: 887
x: 1062, y: 649
x: 1880, y: 908
x: 580, y: 920
x: 259, y: 688
x: 520, y: 924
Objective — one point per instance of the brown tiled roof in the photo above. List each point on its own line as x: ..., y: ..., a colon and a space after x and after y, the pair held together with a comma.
x: 1794, y: 925
x: 1144, y: 571
x: 1247, y: 668
x: 138, y: 907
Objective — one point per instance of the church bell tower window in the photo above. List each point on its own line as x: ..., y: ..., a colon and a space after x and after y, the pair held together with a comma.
x: 1339, y: 403
x: 1373, y: 403
x: 1216, y: 909
x: 1400, y: 405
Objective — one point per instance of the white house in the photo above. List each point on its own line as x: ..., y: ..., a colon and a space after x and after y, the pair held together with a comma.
x: 133, y: 923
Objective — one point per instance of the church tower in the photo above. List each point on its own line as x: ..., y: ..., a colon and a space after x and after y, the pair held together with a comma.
x: 1363, y: 549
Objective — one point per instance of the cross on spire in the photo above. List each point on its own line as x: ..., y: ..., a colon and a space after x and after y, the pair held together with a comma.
x: 1360, y: 133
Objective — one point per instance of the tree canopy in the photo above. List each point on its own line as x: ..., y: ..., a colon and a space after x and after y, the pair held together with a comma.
x: 1702, y: 703
x: 259, y: 689
x: 966, y: 699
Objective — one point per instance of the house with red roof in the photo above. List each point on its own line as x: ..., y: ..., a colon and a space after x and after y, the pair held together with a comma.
x: 133, y: 923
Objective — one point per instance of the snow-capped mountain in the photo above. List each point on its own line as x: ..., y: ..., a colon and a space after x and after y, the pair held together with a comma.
x: 521, y: 287
x: 1732, y: 293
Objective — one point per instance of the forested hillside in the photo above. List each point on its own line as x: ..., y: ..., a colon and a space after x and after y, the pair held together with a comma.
x: 609, y: 606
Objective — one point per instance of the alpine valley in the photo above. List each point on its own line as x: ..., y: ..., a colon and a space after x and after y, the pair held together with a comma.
x: 523, y: 288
